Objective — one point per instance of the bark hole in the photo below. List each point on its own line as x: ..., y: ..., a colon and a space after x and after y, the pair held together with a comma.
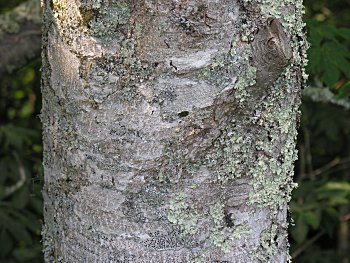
x: 228, y: 219
x: 183, y: 114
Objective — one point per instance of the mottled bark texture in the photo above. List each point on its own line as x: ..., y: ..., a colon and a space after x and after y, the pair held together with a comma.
x: 169, y: 129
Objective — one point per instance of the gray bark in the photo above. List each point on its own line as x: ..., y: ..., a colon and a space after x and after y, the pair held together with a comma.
x: 169, y: 129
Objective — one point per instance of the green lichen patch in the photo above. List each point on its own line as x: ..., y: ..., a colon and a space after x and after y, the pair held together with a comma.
x: 234, y: 148
x: 220, y: 239
x: 218, y: 236
x: 234, y: 153
x: 138, y: 30
x: 109, y: 18
x: 272, y: 192
x: 216, y: 211
x: 268, y: 245
x: 127, y: 53
x: 182, y: 215
x: 272, y: 8
x: 221, y: 71
x: 240, y: 231
x: 247, y: 77
x: 222, y: 236
x: 272, y: 171
x: 199, y: 259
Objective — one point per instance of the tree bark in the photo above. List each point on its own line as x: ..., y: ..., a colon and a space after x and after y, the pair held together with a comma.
x: 169, y: 129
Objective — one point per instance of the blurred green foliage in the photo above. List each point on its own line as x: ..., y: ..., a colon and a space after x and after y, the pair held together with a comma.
x: 320, y: 206
x: 6, y: 5
x: 20, y: 166
x: 329, y: 52
x: 21, y: 172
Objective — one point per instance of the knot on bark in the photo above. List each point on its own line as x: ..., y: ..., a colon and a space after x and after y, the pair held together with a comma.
x: 272, y: 52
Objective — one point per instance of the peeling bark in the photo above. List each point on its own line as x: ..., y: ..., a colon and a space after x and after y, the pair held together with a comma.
x: 168, y: 135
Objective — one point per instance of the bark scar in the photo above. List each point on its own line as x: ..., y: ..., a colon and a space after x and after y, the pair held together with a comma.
x: 272, y: 52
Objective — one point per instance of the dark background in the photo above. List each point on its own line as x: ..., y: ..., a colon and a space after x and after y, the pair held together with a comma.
x: 320, y: 206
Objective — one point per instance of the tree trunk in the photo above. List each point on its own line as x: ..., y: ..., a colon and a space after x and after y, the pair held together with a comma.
x: 169, y: 129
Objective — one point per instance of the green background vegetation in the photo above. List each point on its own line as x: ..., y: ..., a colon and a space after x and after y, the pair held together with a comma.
x: 320, y: 206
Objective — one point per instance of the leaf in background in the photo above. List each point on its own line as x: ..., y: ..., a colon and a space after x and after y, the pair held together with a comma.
x: 342, y: 64
x: 312, y: 219
x: 330, y: 220
x: 6, y: 243
x: 21, y: 198
x: 315, y: 37
x: 26, y: 110
x: 300, y: 230
x: 304, y: 189
x: 16, y: 136
x: 19, y: 94
x: 319, y: 32
x: 37, y: 204
x: 294, y: 207
x: 338, y: 186
x: 28, y: 76
x: 327, y: 31
x: 317, y: 255
x: 344, y: 32
x: 336, y: 193
x: 335, y: 60
x: 17, y: 230
x: 25, y: 254
x: 2, y: 191
x: 328, y: 54
x: 331, y: 74
x: 315, y: 58
x: 27, y: 219
x: 344, y: 91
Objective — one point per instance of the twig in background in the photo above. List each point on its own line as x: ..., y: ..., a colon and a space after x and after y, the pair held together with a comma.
x: 22, y: 178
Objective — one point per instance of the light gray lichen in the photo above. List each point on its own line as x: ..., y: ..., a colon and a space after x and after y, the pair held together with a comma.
x: 109, y: 18
x: 199, y: 259
x: 182, y: 215
x: 221, y: 236
x: 268, y: 245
